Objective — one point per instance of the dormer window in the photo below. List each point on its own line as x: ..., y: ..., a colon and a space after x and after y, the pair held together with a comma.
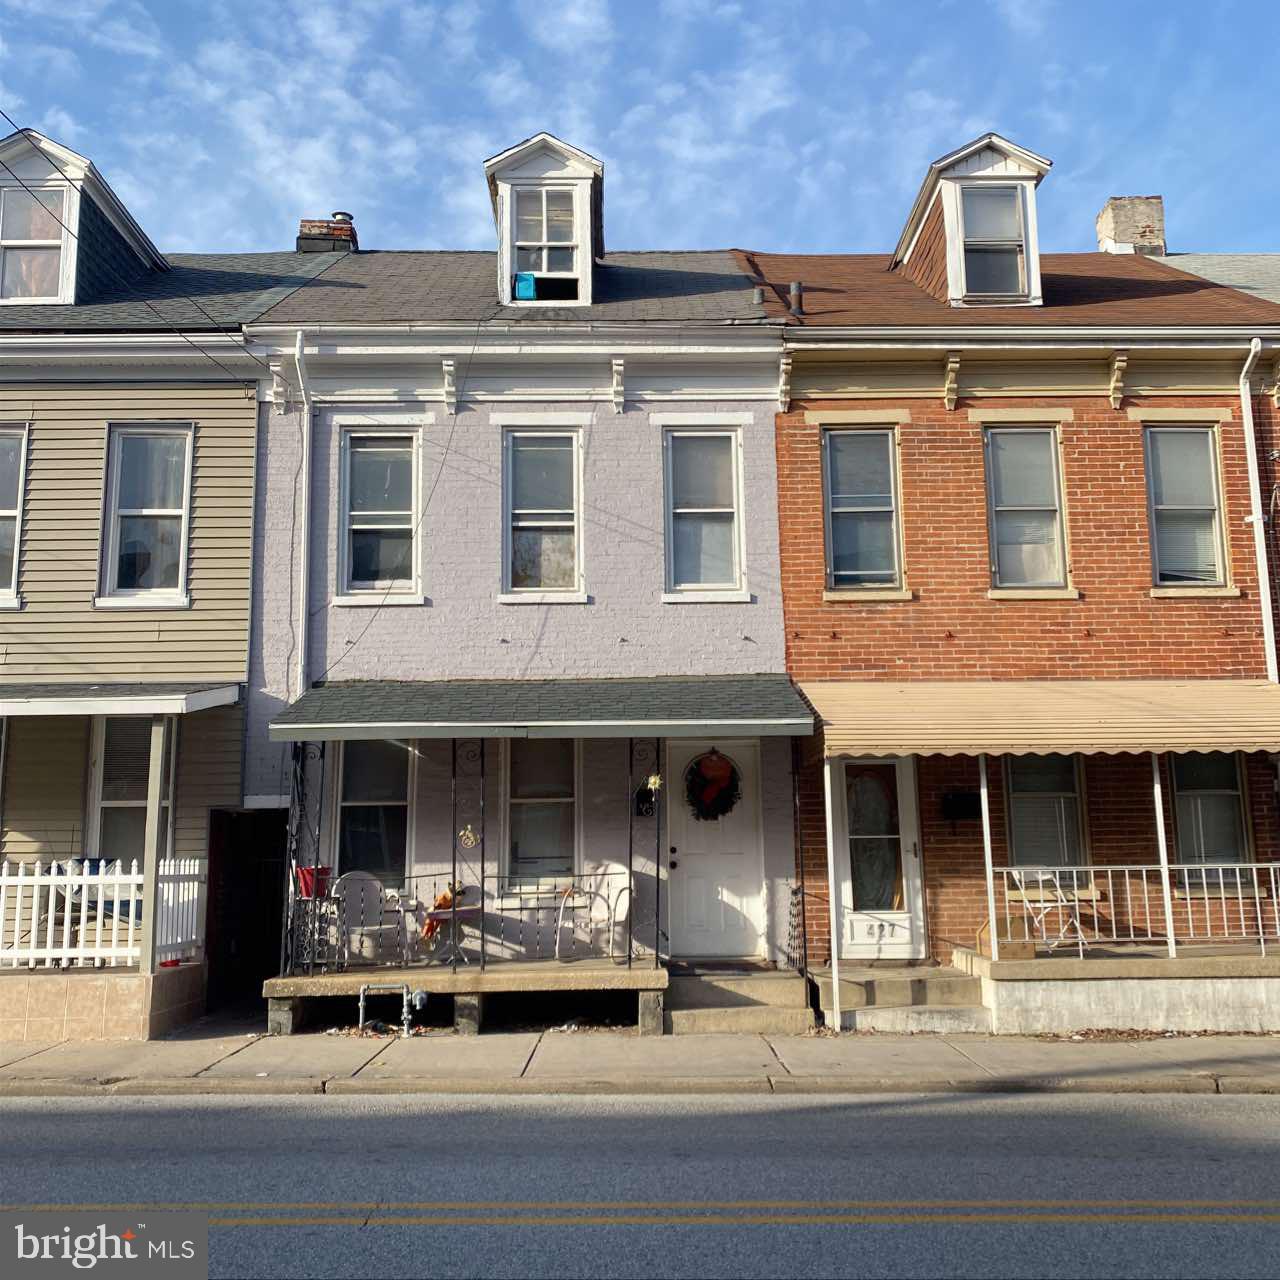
x: 995, y: 258
x: 31, y: 244
x: 545, y: 245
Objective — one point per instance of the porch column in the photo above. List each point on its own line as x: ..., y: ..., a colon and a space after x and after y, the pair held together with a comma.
x: 828, y: 786
x: 153, y: 846
x: 1162, y: 845
x: 987, y: 856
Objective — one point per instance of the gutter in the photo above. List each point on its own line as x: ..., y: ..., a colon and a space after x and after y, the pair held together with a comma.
x: 1256, y: 517
x: 304, y: 559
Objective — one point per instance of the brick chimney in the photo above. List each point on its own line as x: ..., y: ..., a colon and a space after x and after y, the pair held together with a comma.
x: 1131, y: 224
x: 335, y: 234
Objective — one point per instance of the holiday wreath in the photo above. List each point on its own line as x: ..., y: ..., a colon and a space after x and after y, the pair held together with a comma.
x: 713, y: 786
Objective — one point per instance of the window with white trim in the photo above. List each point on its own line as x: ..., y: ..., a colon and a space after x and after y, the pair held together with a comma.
x: 1025, y: 506
x: 121, y: 766
x: 13, y: 453
x: 1186, y: 516
x: 703, y: 510
x: 862, y: 509
x: 1044, y: 812
x: 373, y: 809
x: 148, y: 510
x: 995, y: 250
x: 542, y: 797
x: 541, y: 488
x: 546, y: 245
x: 379, y: 502
x: 1209, y: 808
x: 31, y: 244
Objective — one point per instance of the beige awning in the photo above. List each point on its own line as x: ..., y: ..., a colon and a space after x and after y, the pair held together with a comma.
x: 1017, y: 717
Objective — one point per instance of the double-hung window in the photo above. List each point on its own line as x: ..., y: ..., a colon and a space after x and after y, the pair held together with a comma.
x: 31, y: 245
x: 1208, y: 808
x: 703, y: 511
x: 373, y: 809
x: 541, y: 809
x: 1044, y: 812
x: 379, y: 485
x: 13, y: 453
x: 148, y: 509
x: 121, y: 755
x: 995, y: 259
x: 1186, y: 516
x: 543, y: 527
x: 1025, y: 505
x: 545, y: 244
x: 862, y: 509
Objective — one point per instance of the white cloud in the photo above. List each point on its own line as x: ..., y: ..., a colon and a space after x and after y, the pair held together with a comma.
x: 1024, y: 17
x: 570, y: 27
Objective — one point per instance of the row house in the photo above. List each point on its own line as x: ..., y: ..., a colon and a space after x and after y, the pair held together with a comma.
x: 1023, y: 510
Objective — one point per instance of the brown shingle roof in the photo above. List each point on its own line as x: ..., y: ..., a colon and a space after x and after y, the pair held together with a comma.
x: 1088, y: 289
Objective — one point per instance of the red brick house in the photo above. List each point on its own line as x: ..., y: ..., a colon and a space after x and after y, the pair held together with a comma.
x: 1020, y: 509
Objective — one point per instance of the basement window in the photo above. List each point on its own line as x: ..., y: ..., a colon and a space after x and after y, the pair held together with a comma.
x: 545, y: 245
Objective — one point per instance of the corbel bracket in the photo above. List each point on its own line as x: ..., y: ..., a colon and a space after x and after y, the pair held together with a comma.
x: 619, y: 387
x: 449, y: 385
x: 279, y: 389
x: 1119, y: 363
x: 951, y: 379
x: 784, y: 382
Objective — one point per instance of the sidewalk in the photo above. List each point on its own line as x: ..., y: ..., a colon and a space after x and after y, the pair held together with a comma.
x: 213, y: 1058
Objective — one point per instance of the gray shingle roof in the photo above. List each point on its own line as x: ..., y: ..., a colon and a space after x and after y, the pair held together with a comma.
x: 1256, y: 273
x: 234, y: 288
x: 447, y: 708
x: 393, y: 287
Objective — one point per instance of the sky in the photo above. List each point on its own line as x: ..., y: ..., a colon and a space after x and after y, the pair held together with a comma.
x: 784, y: 125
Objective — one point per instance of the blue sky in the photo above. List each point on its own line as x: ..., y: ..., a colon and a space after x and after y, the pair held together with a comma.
x: 797, y: 126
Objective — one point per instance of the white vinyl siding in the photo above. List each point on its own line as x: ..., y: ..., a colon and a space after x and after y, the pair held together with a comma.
x: 31, y: 232
x: 1024, y: 495
x: 703, y: 515
x: 542, y: 496
x: 13, y: 466
x: 541, y: 818
x: 1044, y: 812
x: 994, y: 241
x: 373, y: 809
x: 1209, y: 808
x: 862, y: 509
x: 1186, y: 517
x: 379, y: 512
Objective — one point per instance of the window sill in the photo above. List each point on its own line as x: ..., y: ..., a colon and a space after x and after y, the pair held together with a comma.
x: 374, y: 599
x: 1229, y: 892
x: 158, y: 601
x: 1085, y: 893
x: 1193, y: 593
x: 11, y: 602
x: 1033, y: 593
x: 544, y: 597
x: 860, y: 595
x: 727, y: 596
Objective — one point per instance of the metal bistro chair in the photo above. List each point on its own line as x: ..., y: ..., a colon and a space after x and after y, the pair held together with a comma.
x: 1043, y: 896
x: 606, y: 895
x: 370, y: 925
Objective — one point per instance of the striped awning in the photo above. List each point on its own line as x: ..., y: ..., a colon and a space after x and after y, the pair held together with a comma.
x: 1014, y: 717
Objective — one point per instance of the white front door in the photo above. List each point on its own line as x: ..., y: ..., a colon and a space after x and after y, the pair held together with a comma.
x: 715, y: 887
x: 881, y: 900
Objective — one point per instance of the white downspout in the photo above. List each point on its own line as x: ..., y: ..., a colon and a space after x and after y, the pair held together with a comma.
x: 1256, y: 517
x: 304, y: 557
x: 832, y: 890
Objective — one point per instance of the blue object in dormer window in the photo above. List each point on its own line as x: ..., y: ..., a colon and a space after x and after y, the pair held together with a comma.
x: 526, y: 287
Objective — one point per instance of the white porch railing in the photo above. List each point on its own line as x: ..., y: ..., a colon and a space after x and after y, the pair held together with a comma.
x: 1073, y: 908
x: 88, y: 911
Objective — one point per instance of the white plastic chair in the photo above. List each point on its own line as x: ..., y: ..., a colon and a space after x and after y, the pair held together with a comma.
x: 601, y: 898
x: 370, y: 925
x: 1042, y: 896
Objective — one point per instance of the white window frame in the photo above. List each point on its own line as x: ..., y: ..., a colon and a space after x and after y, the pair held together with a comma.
x: 410, y: 818
x: 9, y: 595
x: 97, y: 746
x: 574, y: 245
x: 545, y: 428
x: 543, y: 883
x: 895, y: 509
x: 1242, y: 801
x: 1059, y: 509
x: 1018, y: 190
x: 683, y: 426
x: 111, y: 596
x: 399, y: 591
x: 65, y: 242
x: 1222, y: 577
x: 1082, y: 812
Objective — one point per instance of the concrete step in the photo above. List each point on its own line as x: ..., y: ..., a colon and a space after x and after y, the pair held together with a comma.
x: 728, y: 991
x: 908, y: 1019
x: 895, y: 988
x: 759, y: 1019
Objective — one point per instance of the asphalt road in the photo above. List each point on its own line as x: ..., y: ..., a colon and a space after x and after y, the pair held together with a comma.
x: 924, y: 1185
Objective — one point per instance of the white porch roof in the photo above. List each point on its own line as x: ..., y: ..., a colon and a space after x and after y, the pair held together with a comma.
x: 123, y: 699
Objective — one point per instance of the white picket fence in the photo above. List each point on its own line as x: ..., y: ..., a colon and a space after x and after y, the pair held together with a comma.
x: 88, y: 911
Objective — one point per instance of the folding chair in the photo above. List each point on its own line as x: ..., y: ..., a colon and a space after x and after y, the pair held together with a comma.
x: 1042, y: 897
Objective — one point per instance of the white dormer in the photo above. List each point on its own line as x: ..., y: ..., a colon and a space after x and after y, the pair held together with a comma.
x: 56, y: 208
x: 976, y: 212
x: 547, y: 207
